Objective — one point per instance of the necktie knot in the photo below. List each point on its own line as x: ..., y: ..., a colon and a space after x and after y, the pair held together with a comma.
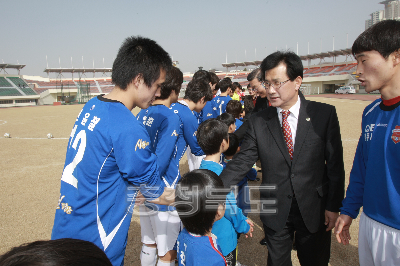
x: 285, y: 114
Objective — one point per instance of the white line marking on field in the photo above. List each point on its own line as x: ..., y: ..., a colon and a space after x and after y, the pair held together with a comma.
x: 38, y: 138
x: 2, y: 122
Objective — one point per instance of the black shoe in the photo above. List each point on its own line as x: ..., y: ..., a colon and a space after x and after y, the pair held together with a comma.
x: 263, y: 242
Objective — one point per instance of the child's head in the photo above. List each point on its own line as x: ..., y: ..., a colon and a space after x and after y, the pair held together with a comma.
x: 172, y: 84
x: 234, y: 108
x: 194, y: 194
x: 248, y: 104
x: 64, y: 251
x: 225, y: 84
x: 212, y: 136
x: 199, y: 92
x: 233, y: 146
x: 236, y: 87
x: 228, y: 120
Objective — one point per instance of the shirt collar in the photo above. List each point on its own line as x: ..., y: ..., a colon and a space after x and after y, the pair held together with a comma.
x: 294, y: 110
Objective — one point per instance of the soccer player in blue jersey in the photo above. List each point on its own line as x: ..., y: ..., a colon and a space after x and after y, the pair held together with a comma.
x: 375, y: 179
x: 219, y: 102
x: 199, y: 202
x: 108, y: 158
x: 197, y: 93
x: 160, y: 224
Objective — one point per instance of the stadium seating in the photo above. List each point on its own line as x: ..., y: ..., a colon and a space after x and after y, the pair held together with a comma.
x: 4, y: 83
x: 9, y: 92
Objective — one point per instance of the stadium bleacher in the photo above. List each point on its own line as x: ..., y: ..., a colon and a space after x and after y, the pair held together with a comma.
x: 4, y: 83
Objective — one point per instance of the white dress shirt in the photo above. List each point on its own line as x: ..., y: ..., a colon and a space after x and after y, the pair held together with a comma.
x: 293, y: 118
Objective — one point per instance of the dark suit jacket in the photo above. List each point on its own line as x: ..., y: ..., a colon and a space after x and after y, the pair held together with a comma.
x: 316, y: 174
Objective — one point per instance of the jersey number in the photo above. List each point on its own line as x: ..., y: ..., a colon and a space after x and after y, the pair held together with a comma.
x: 68, y: 173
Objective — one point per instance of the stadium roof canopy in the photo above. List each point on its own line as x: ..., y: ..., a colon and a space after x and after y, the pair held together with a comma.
x: 77, y: 70
x: 345, y: 52
x: 18, y: 67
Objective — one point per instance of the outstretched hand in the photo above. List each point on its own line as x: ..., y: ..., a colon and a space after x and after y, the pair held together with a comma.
x: 330, y: 219
x: 250, y: 232
x: 342, y: 227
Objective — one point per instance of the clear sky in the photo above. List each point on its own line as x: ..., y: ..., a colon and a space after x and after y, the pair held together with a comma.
x: 195, y: 33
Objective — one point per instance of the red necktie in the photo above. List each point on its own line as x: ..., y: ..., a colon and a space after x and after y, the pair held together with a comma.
x: 287, y: 133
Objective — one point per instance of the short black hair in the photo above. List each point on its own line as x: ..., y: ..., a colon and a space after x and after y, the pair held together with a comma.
x: 234, y: 108
x: 59, y: 252
x: 248, y: 104
x: 383, y: 37
x: 139, y: 56
x: 226, y: 118
x: 256, y: 73
x: 233, y: 145
x: 194, y: 193
x: 210, y: 135
x: 214, y: 78
x: 197, y: 89
x: 202, y: 74
x: 294, y: 66
x: 173, y: 81
x: 236, y: 85
x: 224, y: 84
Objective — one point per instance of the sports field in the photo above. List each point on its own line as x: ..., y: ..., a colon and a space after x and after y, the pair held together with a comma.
x: 31, y: 167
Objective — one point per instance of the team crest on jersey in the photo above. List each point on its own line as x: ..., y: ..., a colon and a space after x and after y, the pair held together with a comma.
x: 396, y: 134
x: 141, y: 144
x: 174, y: 133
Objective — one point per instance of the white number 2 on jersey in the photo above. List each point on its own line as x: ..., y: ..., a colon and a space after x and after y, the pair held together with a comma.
x: 68, y: 173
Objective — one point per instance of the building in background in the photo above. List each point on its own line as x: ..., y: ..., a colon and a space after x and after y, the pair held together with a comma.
x: 391, y: 11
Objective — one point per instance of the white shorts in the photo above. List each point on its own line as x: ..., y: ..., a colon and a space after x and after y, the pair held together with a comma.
x: 161, y: 228
x: 378, y: 244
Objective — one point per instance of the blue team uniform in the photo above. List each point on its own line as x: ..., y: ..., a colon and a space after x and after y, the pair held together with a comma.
x: 238, y: 123
x: 374, y: 178
x: 233, y: 221
x: 207, y: 112
x: 219, y: 104
x: 196, y: 250
x: 163, y: 127
x: 189, y: 126
x: 108, y: 158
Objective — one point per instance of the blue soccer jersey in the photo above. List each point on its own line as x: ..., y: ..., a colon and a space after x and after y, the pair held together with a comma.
x: 108, y: 158
x: 164, y: 127
x: 189, y: 129
x: 219, y: 104
x: 233, y: 221
x: 196, y: 250
x: 374, y: 178
x: 207, y: 112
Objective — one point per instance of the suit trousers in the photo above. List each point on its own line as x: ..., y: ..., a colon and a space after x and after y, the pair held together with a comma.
x: 313, y: 249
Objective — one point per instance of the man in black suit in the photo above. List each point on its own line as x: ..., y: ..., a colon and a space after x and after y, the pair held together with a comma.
x: 301, y: 157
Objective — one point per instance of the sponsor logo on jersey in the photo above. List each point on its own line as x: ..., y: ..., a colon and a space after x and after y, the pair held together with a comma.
x: 174, y: 133
x: 64, y: 206
x: 396, y: 134
x: 195, y: 134
x: 209, y: 114
x: 141, y: 144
